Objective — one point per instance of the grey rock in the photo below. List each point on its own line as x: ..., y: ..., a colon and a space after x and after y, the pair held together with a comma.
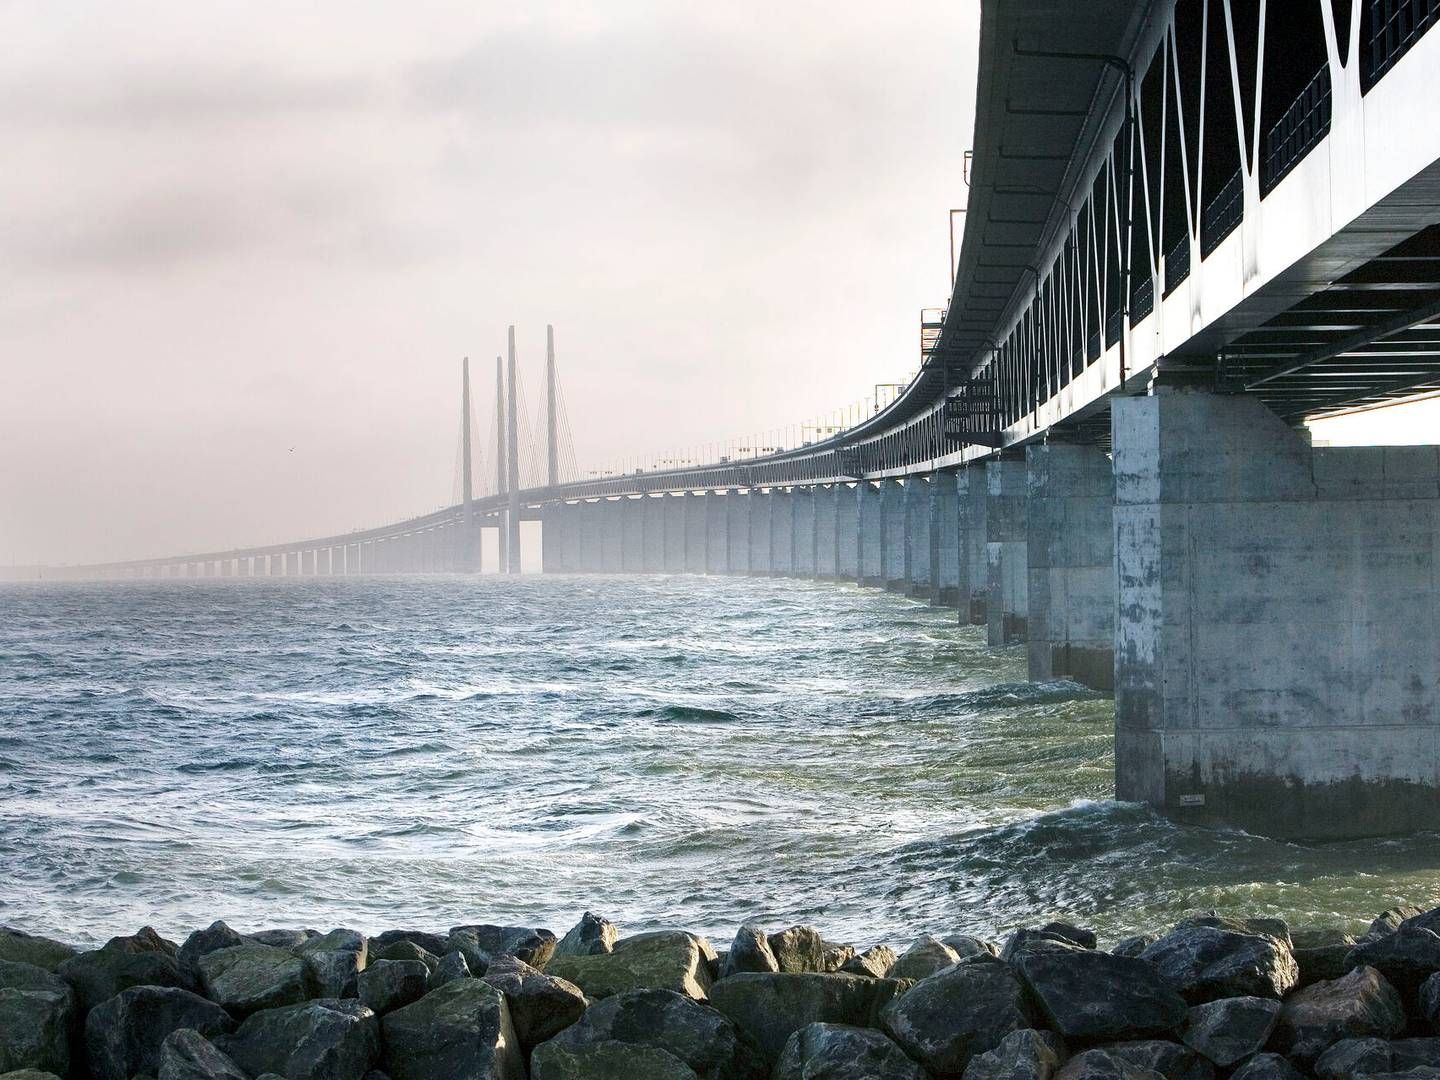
x: 1361, y: 1004
x: 966, y: 945
x: 1133, y: 945
x: 1414, y: 1053
x: 1321, y: 963
x: 958, y: 1013
x: 282, y: 938
x: 404, y: 950
x: 452, y: 966
x: 1026, y: 1054
x: 925, y: 956
x: 1389, y: 920
x: 215, y: 936
x: 1267, y: 1067
x: 1407, y: 958
x: 123, y: 1033
x: 699, y: 1038
x: 1104, y: 1065
x: 19, y: 947
x: 609, y: 1061
x: 1172, y: 1060
x: 875, y: 962
x: 462, y: 1029
x: 1353, y: 1057
x: 802, y: 949
x: 1319, y: 937
x: 1429, y: 1001
x: 1229, y: 1030
x: 326, y: 1039
x: 386, y: 985
x: 434, y: 944
x: 1428, y: 920
x: 541, y: 1005
x: 750, y: 951
x: 843, y: 1052
x: 143, y: 959
x: 481, y: 942
x: 1278, y: 929
x: 333, y: 963
x: 246, y: 978
x: 1022, y: 941
x: 665, y: 960
x: 1070, y: 932
x: 769, y: 1007
x: 188, y: 1055
x: 37, y: 1015
x: 1208, y: 962
x: 1420, y: 1072
x: 592, y: 934
x: 1097, y: 996
x: 28, y: 1074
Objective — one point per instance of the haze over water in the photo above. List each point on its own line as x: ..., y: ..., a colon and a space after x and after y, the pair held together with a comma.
x: 667, y: 751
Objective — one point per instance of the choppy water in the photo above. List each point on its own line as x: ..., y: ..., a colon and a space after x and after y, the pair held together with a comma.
x: 668, y: 751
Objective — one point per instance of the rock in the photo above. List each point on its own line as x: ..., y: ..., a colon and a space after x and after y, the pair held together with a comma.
x: 283, y: 939
x: 875, y: 962
x: 843, y: 1052
x: 1413, y: 1053
x: 802, y: 949
x: 123, y: 1034
x: 958, y: 1013
x: 1267, y: 1067
x: 1389, y: 920
x: 144, y: 959
x: 965, y: 945
x: 667, y: 960
x: 1026, y: 1054
x: 202, y: 942
x: 541, y: 1005
x: 246, y: 978
x: 333, y: 963
x: 28, y: 1074
x: 37, y: 1014
x: 405, y: 950
x: 1133, y: 945
x: 1353, y: 1057
x: 1322, y: 963
x: 1278, y: 929
x: 461, y: 1030
x: 1318, y: 937
x: 434, y: 944
x: 1429, y: 1001
x: 1104, y: 1065
x: 479, y: 943
x: 18, y: 947
x: 769, y: 1007
x: 1077, y: 934
x: 1407, y: 958
x: 1172, y: 1060
x: 1229, y: 1030
x: 609, y: 1061
x: 1027, y: 941
x: 1095, y: 996
x: 698, y: 1038
x: 750, y: 951
x: 452, y: 966
x: 925, y: 956
x: 1208, y: 962
x: 188, y: 1055
x: 589, y: 936
x: 327, y: 1039
x: 1358, y: 1005
x: 386, y: 985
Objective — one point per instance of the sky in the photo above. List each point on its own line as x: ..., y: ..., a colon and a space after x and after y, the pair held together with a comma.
x: 244, y: 246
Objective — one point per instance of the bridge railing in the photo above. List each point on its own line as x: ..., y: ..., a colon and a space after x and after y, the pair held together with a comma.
x: 1394, y: 26
x: 1302, y: 126
x: 1223, y: 214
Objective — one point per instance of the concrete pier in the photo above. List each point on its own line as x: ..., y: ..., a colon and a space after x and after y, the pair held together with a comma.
x: 1007, y: 603
x: 869, y: 536
x: 674, y: 519
x: 632, y: 534
x: 717, y: 555
x: 1278, y: 623
x: 803, y: 513
x: 944, y: 541
x: 612, y: 536
x: 737, y: 530
x: 972, y: 500
x: 1070, y: 552
x: 827, y: 502
x: 917, y: 537
x: 782, y: 532
x: 592, y: 533
x: 652, y: 527
x: 760, y: 532
x: 847, y: 532
x: 892, y: 535
x: 695, y: 533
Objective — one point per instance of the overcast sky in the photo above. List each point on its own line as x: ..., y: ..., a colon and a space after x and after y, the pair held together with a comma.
x: 245, y: 245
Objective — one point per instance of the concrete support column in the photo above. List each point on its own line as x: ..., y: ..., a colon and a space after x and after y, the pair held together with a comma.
x: 972, y: 501
x: 1277, y: 622
x: 632, y: 549
x: 674, y: 515
x: 944, y: 541
x: 572, y: 535
x: 847, y: 532
x: 552, y: 558
x: 826, y: 500
x: 591, y: 530
x: 717, y: 551
x: 1007, y: 602
x: 1070, y: 550
x: 782, y: 532
x: 760, y: 533
x: 803, y: 509
x: 694, y: 532
x: 652, y: 533
x: 917, y: 536
x: 737, y: 530
x: 612, y: 535
x: 892, y: 535
x: 309, y: 562
x: 227, y: 567
x: 352, y: 560
x: 292, y: 563
x: 869, y: 536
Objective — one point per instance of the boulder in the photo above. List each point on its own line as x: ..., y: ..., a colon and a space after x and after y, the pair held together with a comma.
x: 1104, y: 1065
x: 843, y: 1052
x: 1353, y: 1057
x: 1208, y: 962
x: 37, y: 1015
x: 1389, y: 920
x: 123, y: 1033
x: 965, y: 945
x: 1320, y: 963
x: 958, y: 1013
x: 386, y: 985
x: 452, y: 966
x: 1172, y: 1060
x: 1026, y: 1054
x: 143, y: 959
x: 404, y: 950
x: 18, y: 947
x: 875, y: 962
x: 1229, y: 1030
x: 434, y: 944
x: 462, y: 1029
x: 1428, y: 1008
x: 769, y: 1007
x: 1319, y: 937
x: 591, y: 935
x: 1133, y: 945
x: 1070, y: 932
x: 1024, y: 941
x: 1267, y: 1067
x: 1407, y: 958
x: 1096, y: 996
x: 667, y: 960
x: 541, y: 1005
x: 188, y: 1055
x: 283, y: 938
x: 246, y: 978
x: 698, y: 1038
x: 1361, y: 1004
x: 326, y: 1039
x: 333, y: 963
x: 802, y: 949
x: 925, y: 956
x: 202, y: 942
x: 750, y: 951
x: 28, y: 1074
x: 1278, y: 929
x: 480, y: 942
x: 1414, y: 1053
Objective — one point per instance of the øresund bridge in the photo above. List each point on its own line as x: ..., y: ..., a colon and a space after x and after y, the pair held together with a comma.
x: 1191, y: 226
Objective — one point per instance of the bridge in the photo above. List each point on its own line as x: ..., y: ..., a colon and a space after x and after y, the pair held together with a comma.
x: 1191, y: 226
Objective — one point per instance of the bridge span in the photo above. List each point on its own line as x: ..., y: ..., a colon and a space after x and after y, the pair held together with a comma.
x: 1191, y: 225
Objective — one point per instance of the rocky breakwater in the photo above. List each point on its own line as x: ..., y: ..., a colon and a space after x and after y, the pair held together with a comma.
x: 1212, y: 996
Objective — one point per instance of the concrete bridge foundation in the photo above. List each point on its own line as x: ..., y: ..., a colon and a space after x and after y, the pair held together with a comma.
x: 782, y: 532
x: 632, y: 534
x: 652, y: 529
x: 758, y: 541
x: 803, y: 509
x: 674, y: 519
x: 826, y: 500
x: 737, y: 531
x: 694, y: 533
x: 944, y: 535
x: 917, y: 536
x: 972, y: 500
x: 869, y: 535
x: 847, y: 532
x: 1007, y: 605
x: 892, y: 536
x: 717, y: 559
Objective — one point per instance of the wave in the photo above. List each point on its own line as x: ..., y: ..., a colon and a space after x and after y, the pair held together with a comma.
x: 689, y: 714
